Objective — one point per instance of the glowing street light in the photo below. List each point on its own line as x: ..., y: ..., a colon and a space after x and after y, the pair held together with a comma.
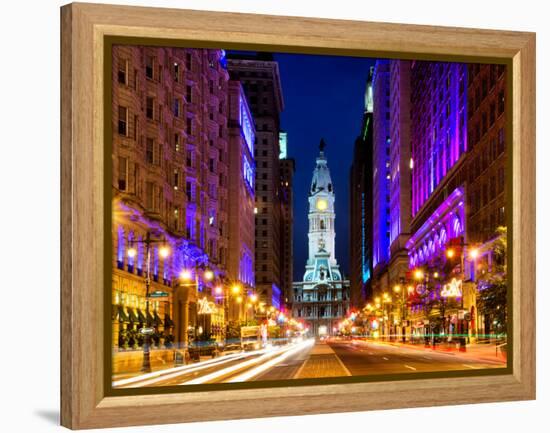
x: 208, y: 275
x: 253, y: 298
x: 450, y: 253
x: 132, y: 252
x: 218, y: 290
x: 164, y: 252
x: 474, y: 253
x: 239, y: 299
x: 418, y: 274
x: 186, y: 275
x: 397, y: 288
x: 236, y: 289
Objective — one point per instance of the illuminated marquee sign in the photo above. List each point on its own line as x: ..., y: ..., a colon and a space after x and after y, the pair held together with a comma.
x: 452, y: 289
x: 246, y: 126
x: 205, y: 306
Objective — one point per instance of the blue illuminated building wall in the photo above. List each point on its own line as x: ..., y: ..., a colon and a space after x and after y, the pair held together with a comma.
x: 381, y: 164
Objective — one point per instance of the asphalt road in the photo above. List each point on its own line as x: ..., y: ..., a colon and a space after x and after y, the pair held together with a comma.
x: 306, y: 359
x: 364, y: 359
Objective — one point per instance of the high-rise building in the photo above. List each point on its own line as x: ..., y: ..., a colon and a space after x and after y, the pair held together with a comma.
x: 322, y: 297
x: 381, y: 176
x: 400, y: 170
x: 259, y: 75
x: 240, y: 257
x: 287, y: 222
x: 438, y: 151
x: 361, y: 207
x: 170, y: 189
x: 486, y: 178
x: 438, y: 156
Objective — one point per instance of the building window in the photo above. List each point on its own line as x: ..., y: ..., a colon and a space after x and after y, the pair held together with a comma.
x: 189, y: 126
x: 176, y: 179
x: 501, y: 102
x: 123, y: 71
x: 177, y: 107
x: 501, y: 141
x: 177, y: 72
x: 150, y: 151
x: 149, y: 67
x: 122, y: 173
x: 189, y: 191
x: 150, y: 108
x: 123, y: 120
x: 177, y: 144
x: 189, y: 94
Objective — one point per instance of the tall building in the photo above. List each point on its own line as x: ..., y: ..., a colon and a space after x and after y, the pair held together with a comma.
x: 439, y: 154
x: 322, y: 297
x: 361, y: 207
x: 170, y: 189
x: 287, y: 221
x: 240, y: 258
x: 259, y: 75
x: 486, y: 178
x: 381, y: 176
x: 400, y: 169
x: 438, y: 151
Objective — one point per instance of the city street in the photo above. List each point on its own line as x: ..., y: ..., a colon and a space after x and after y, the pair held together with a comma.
x: 310, y: 359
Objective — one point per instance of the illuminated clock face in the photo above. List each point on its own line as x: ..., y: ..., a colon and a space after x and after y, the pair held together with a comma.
x: 322, y: 204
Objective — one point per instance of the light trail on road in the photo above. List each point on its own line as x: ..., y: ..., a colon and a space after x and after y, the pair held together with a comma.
x: 170, y: 373
x: 234, y: 368
x: 271, y: 363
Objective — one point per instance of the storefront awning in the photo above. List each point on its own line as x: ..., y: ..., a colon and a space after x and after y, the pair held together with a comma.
x: 156, y: 319
x: 132, y: 315
x: 168, y: 321
x: 141, y: 316
x: 121, y: 314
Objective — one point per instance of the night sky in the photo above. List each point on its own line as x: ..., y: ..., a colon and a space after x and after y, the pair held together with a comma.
x: 323, y: 97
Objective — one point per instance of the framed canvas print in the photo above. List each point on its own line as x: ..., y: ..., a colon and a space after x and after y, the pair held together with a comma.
x: 314, y: 215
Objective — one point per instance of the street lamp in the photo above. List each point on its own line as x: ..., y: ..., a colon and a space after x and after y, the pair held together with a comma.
x: 148, y: 330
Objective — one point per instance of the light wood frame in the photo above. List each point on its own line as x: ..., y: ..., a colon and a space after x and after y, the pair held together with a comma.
x: 83, y: 26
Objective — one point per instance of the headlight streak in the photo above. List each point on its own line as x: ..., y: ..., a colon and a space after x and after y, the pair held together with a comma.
x: 261, y: 368
x: 221, y: 373
x: 170, y: 373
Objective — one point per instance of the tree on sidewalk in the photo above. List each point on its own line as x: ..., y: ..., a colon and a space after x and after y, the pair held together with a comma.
x: 492, y: 295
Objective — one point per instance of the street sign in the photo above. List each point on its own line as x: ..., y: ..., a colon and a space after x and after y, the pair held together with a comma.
x: 146, y: 331
x: 158, y: 294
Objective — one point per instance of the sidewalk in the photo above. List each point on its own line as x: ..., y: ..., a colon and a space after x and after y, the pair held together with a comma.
x: 482, y: 352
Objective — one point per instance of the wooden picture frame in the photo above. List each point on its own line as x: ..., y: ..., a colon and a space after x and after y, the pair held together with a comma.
x: 84, y: 403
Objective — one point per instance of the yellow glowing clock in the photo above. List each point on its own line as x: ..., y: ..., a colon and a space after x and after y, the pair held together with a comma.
x: 321, y: 204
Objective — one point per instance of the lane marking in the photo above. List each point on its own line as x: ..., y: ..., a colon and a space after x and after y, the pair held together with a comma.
x: 426, y: 357
x: 342, y: 364
x: 409, y: 367
x: 386, y: 359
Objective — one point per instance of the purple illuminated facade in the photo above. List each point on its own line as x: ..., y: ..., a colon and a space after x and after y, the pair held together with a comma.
x: 400, y: 168
x: 439, y: 132
x: 428, y: 244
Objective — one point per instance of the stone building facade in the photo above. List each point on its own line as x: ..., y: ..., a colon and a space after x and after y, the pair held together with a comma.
x: 170, y: 185
x: 321, y: 299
